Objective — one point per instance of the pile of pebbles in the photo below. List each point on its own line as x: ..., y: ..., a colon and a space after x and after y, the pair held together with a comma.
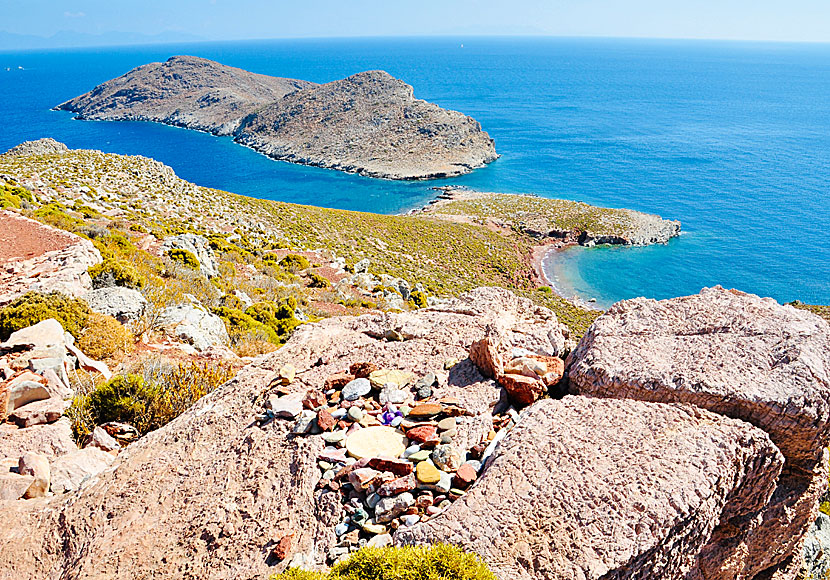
x: 390, y: 449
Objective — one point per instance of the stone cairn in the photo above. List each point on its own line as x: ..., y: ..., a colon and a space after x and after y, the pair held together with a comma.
x: 391, y: 445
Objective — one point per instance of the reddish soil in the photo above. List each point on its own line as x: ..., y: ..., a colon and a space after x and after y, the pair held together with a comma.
x: 22, y: 238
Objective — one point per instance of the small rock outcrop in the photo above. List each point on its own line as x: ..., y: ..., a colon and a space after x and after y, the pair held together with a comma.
x: 369, y: 123
x: 45, y: 146
x: 186, y: 91
x: 195, y: 325
x: 124, y: 304
x: 587, y: 488
x: 196, y: 245
x: 36, y: 257
x: 740, y: 356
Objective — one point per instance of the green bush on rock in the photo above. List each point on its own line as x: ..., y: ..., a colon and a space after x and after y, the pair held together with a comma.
x: 114, y: 272
x: 34, y: 307
x: 295, y: 263
x: 437, y: 562
x: 184, y: 257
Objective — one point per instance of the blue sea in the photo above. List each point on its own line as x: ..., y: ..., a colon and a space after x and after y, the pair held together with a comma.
x: 733, y: 139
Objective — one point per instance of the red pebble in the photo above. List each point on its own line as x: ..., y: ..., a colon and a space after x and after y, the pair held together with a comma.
x: 423, y: 433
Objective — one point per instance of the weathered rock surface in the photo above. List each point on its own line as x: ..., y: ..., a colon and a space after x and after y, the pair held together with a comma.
x: 14, y: 486
x: 185, y: 91
x: 195, y: 325
x: 37, y: 466
x: 586, y: 488
x: 369, y: 123
x: 45, y: 146
x: 739, y: 356
x: 123, y: 304
x: 212, y: 493
x: 52, y: 440
x: 36, y: 257
x: 39, y: 412
x: 816, y: 555
x: 71, y: 470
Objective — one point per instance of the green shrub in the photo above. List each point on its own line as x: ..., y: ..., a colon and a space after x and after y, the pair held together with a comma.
x: 34, y: 307
x: 418, y: 299
x: 184, y: 257
x: 437, y: 562
x: 114, y: 272
x: 148, y: 401
x: 243, y: 327
x: 55, y: 214
x: 86, y: 211
x: 14, y: 196
x: 104, y: 337
x: 317, y: 281
x: 295, y: 263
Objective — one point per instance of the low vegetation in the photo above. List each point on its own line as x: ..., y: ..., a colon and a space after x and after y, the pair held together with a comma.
x: 34, y: 307
x: 436, y: 562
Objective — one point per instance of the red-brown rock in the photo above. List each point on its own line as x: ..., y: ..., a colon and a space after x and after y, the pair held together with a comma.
x: 283, y: 548
x: 465, y: 476
x: 425, y: 410
x: 338, y: 381
x: 423, y: 433
x: 399, y: 485
x: 399, y: 467
x: 522, y: 390
x: 362, y: 370
x: 325, y: 421
x: 314, y: 399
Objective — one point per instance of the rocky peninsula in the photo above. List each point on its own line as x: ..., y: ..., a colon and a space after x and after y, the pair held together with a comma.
x: 369, y: 123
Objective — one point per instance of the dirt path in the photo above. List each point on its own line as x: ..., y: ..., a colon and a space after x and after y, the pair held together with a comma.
x: 22, y: 238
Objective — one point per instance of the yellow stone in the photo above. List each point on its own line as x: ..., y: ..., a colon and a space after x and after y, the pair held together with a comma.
x: 374, y: 528
x: 386, y: 376
x: 376, y: 442
x: 427, y: 473
x: 287, y: 374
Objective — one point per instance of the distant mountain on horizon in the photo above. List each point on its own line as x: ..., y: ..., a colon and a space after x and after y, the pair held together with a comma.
x: 71, y: 39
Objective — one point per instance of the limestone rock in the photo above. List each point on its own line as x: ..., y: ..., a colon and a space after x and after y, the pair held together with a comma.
x: 196, y: 245
x: 591, y: 488
x: 486, y: 355
x: 816, y: 554
x: 70, y: 471
x: 23, y: 393
x: 37, y: 466
x: 39, y: 412
x: 14, y: 486
x: 740, y: 356
x: 52, y: 440
x: 45, y: 146
x: 193, y: 324
x: 45, y: 334
x: 123, y: 304
x: 102, y: 440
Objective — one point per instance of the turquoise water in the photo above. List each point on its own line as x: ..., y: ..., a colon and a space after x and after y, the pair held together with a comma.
x: 733, y: 139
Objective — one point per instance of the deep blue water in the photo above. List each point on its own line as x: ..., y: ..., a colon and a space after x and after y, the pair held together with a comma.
x: 733, y: 139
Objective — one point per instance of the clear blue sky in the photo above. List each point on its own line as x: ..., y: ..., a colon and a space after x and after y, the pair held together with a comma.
x: 789, y: 20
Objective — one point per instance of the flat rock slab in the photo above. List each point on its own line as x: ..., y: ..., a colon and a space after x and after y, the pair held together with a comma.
x: 52, y: 440
x: 376, y: 442
x: 587, y: 488
x: 70, y: 471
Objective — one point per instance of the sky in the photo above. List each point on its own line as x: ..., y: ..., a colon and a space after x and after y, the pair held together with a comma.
x: 777, y: 20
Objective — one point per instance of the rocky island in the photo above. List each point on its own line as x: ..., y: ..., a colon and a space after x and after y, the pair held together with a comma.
x: 196, y: 384
x: 369, y: 123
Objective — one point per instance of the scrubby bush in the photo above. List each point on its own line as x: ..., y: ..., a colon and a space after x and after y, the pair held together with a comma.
x: 114, y: 272
x: 280, y: 317
x: 104, y: 337
x: 243, y: 327
x: 263, y: 321
x: 55, y: 214
x: 35, y: 307
x: 184, y: 257
x: 86, y: 211
x: 295, y: 263
x: 437, y: 562
x: 149, y: 400
x: 14, y: 196
x: 317, y: 281
x: 418, y: 299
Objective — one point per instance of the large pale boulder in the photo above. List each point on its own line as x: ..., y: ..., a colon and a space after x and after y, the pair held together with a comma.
x: 740, y: 356
x: 196, y: 245
x: 37, y: 466
x: 14, y: 486
x: 70, y: 471
x: 212, y: 493
x: 195, y: 325
x: 587, y: 488
x: 40, y: 412
x: 123, y: 304
x: 45, y: 334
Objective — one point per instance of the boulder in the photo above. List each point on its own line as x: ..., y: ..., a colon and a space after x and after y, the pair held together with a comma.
x: 45, y: 334
x: 193, y: 324
x: 39, y: 413
x: 37, y: 466
x: 70, y: 471
x: 590, y: 488
x: 21, y: 393
x: 196, y: 245
x: 14, y: 486
x: 486, y: 355
x: 52, y: 440
x: 102, y: 440
x: 123, y: 304
x: 740, y: 356
x: 89, y: 364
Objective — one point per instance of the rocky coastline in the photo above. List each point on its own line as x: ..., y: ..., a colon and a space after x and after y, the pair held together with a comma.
x: 369, y: 123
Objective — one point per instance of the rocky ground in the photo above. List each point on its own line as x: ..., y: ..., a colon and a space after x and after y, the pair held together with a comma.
x: 369, y: 123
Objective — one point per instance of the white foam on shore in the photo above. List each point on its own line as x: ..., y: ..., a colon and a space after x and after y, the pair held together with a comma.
x: 559, y: 283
